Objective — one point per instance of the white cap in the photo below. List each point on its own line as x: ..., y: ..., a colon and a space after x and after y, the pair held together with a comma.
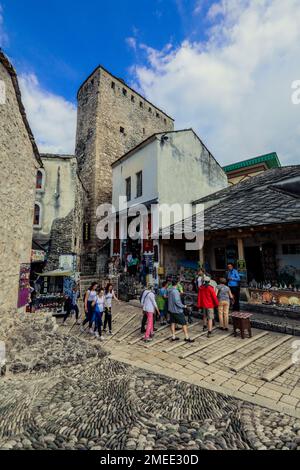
x: 206, y: 279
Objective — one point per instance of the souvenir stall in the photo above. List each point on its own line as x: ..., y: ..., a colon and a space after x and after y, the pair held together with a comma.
x: 275, y: 295
x: 54, y: 286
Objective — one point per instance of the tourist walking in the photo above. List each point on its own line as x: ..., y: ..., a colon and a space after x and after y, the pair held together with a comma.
x: 149, y: 308
x: 162, y: 303
x: 224, y: 295
x: 67, y: 308
x: 109, y: 296
x: 207, y: 301
x: 89, y: 305
x: 176, y: 312
x: 98, y: 312
x: 234, y: 280
x: 74, y: 299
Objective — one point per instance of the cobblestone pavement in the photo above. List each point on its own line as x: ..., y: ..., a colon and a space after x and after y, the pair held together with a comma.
x: 259, y: 370
x: 82, y: 398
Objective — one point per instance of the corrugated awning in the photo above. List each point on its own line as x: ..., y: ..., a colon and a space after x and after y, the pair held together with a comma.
x: 56, y: 273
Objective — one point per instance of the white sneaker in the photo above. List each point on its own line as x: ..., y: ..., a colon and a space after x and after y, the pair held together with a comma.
x: 101, y: 338
x: 91, y: 331
x: 97, y: 334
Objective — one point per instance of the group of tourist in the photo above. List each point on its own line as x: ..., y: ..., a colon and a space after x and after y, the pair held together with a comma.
x: 97, y: 307
x: 168, y: 305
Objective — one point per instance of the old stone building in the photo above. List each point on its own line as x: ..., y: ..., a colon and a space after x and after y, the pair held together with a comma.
x: 167, y: 170
x: 112, y: 119
x: 58, y: 209
x: 20, y: 160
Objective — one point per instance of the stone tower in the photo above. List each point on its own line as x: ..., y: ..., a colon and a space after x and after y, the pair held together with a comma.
x: 112, y: 119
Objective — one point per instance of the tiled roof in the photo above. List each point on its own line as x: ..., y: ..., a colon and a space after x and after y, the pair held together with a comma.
x: 270, y: 198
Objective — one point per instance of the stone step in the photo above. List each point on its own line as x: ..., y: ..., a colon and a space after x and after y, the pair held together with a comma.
x: 234, y: 349
x: 252, y: 358
x: 276, y: 324
x: 278, y: 370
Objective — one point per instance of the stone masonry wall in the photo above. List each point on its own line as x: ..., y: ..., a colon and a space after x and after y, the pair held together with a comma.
x: 17, y: 191
x: 105, y: 105
x: 60, y: 234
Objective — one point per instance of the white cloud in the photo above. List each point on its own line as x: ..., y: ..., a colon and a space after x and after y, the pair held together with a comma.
x: 131, y: 42
x: 51, y: 117
x: 234, y: 89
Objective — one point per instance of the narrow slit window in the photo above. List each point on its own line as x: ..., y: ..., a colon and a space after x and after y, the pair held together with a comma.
x: 37, y: 215
x: 128, y: 188
x: 139, y: 184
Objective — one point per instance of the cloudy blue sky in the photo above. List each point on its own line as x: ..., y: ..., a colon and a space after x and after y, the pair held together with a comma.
x: 223, y: 67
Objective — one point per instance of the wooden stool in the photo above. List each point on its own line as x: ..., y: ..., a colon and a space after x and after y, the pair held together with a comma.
x: 241, y: 321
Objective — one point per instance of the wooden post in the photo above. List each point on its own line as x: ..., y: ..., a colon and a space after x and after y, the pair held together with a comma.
x: 201, y: 257
x: 161, y: 253
x: 241, y: 252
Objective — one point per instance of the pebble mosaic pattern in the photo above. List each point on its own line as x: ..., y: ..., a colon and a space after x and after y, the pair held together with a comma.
x: 81, y: 399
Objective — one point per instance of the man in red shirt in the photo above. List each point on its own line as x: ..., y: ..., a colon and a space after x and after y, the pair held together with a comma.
x: 207, y: 301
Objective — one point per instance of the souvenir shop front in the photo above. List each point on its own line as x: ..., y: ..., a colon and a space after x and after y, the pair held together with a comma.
x: 53, y: 287
x: 144, y: 251
x: 267, y: 259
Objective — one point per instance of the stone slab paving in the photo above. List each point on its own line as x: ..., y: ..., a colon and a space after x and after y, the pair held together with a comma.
x: 281, y: 393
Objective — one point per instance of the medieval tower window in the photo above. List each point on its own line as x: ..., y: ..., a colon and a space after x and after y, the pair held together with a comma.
x: 128, y: 188
x: 122, y: 130
x: 124, y: 91
x: 150, y: 110
x: 144, y: 131
x: 37, y: 215
x: 113, y: 85
x: 141, y: 104
x: 132, y: 99
x: 139, y: 184
x: 157, y: 115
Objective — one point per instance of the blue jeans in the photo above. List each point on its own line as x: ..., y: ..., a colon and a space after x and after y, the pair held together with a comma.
x: 89, y: 315
x: 98, y: 321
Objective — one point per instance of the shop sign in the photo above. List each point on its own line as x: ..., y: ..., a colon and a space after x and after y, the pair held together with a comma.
x: 67, y: 262
x: 24, y: 286
x: 241, y: 265
x: 37, y: 256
